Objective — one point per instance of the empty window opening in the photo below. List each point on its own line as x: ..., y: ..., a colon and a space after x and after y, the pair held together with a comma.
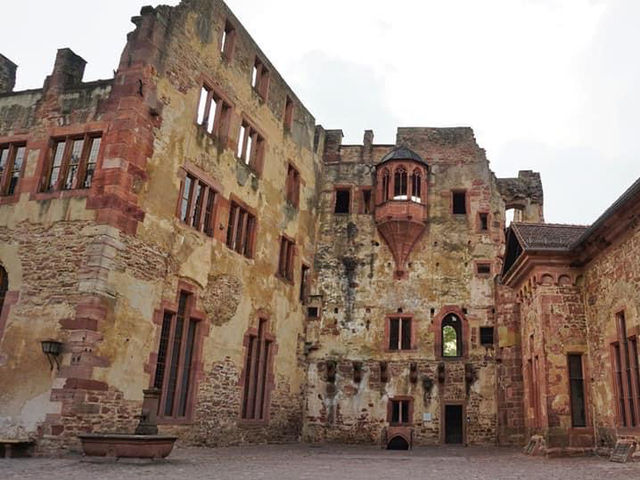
x: 400, y: 412
x: 250, y: 147
x: 400, y: 333
x: 576, y: 386
x: 260, y: 78
x: 343, y: 201
x: 11, y: 162
x: 486, y: 336
x: 73, y: 163
x: 367, y: 205
x: 240, y: 230
x: 197, y: 204
x: 288, y: 113
x: 174, y: 370
x: 451, y: 336
x: 483, y: 223
x: 285, y: 263
x: 214, y: 113
x: 292, y: 186
x: 227, y: 41
x: 398, y: 443
x: 256, y: 374
x: 304, y: 283
x: 459, y: 203
x: 313, y: 312
x: 400, y: 184
x: 483, y: 269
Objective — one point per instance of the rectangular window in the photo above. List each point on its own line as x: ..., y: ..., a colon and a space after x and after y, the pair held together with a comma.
x: 227, y: 41
x: 400, y: 412
x: 576, y: 387
x: 197, y: 204
x: 483, y: 269
x: 486, y: 336
x: 256, y: 374
x: 240, y: 230
x: 400, y: 333
x: 214, y: 113
x: 292, y: 186
x: 11, y: 161
x: 343, y: 201
x: 459, y: 203
x: 250, y: 147
x: 366, y: 201
x: 288, y: 113
x: 304, y: 283
x: 313, y: 312
x: 174, y: 373
x: 483, y: 222
x: 72, y: 163
x: 626, y: 375
x: 260, y: 78
x: 285, y: 263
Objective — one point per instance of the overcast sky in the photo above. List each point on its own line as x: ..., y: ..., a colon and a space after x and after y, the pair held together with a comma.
x: 547, y: 85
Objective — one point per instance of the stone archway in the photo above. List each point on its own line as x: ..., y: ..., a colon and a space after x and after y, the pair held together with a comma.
x: 398, y: 443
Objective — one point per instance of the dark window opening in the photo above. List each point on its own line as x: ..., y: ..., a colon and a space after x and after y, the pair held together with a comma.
x: 483, y: 268
x: 399, y: 412
x: 304, y: 283
x: 4, y: 286
x: 459, y: 203
x: 400, y: 333
x: 385, y: 185
x: 626, y: 374
x: 285, y: 263
x: 197, y: 204
x: 240, y: 230
x: 288, y: 113
x: 453, y: 424
x: 397, y: 443
x: 451, y: 336
x: 486, y: 336
x: 484, y: 222
x: 576, y: 386
x: 313, y: 312
x: 367, y: 206
x: 343, y: 201
x: 292, y: 186
x: 256, y: 373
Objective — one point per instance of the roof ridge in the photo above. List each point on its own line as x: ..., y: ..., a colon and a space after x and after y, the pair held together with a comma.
x: 542, y: 224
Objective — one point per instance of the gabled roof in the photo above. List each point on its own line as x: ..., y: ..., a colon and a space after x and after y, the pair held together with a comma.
x: 547, y: 236
x: 402, y: 153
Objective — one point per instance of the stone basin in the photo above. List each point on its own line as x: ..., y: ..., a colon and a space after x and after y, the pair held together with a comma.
x: 126, y: 446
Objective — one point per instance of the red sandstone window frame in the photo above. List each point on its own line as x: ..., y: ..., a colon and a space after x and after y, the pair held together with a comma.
x: 439, y: 318
x: 292, y: 185
x: 480, y: 267
x: 406, y: 320
x: 192, y: 208
x: 366, y: 204
x: 242, y: 227
x: 342, y: 188
x: 10, y: 153
x: 289, y: 109
x: 404, y: 402
x: 305, y: 271
x: 251, y: 146
x: 86, y: 164
x: 167, y: 319
x: 260, y: 78
x: 480, y: 223
x: 216, y: 122
x: 625, y: 374
x: 257, y: 378
x: 584, y: 379
x: 227, y: 40
x: 286, y: 259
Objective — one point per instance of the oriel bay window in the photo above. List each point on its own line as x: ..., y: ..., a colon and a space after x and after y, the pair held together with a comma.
x: 11, y: 161
x: 624, y: 352
x: 175, y: 362
x: 71, y: 163
x: 399, y: 333
x: 240, y: 230
x: 257, y: 376
x: 197, y: 204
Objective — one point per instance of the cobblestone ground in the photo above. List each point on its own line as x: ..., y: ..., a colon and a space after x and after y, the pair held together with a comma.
x: 302, y: 462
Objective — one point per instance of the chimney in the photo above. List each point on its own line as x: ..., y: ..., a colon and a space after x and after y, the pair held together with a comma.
x: 7, y: 74
x: 332, y: 144
x: 67, y: 71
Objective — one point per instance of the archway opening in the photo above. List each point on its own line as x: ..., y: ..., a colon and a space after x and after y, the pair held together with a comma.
x: 398, y: 443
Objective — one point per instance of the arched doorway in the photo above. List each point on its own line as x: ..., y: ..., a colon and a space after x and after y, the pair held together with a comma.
x: 398, y: 443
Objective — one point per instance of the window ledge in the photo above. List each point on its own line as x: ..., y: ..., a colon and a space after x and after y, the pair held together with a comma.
x: 174, y: 421
x: 9, y: 199
x: 78, y: 193
x: 246, y: 422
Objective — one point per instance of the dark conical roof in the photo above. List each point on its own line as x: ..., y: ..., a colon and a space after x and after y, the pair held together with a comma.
x: 402, y: 153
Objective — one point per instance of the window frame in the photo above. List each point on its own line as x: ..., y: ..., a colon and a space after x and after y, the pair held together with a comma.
x: 289, y: 112
x: 479, y: 264
x: 227, y: 40
x: 570, y: 385
x: 493, y: 335
x: 7, y: 175
x: 366, y: 207
x: 342, y: 188
x: 625, y: 377
x: 439, y: 319
x: 222, y: 113
x: 455, y: 192
x: 292, y: 185
x: 404, y: 320
x: 305, y: 272
x: 286, y: 259
x: 404, y: 402
x: 249, y: 236
x: 190, y: 172
x: 260, y: 77
x: 80, y: 178
x: 480, y: 222
x: 252, y: 157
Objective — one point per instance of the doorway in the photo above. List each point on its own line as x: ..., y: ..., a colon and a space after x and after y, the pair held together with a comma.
x: 453, y: 424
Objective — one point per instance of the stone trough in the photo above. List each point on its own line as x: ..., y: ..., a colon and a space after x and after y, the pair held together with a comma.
x: 145, y: 443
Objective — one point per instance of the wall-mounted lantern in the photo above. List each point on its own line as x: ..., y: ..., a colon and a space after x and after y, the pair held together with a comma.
x: 52, y: 349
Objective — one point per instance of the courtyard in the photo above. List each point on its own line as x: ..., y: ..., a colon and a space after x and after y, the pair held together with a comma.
x: 305, y: 462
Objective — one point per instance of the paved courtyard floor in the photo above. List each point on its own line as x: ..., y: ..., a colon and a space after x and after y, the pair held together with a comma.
x: 302, y: 462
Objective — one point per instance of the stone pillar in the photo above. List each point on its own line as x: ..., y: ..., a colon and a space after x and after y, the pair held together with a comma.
x: 67, y: 71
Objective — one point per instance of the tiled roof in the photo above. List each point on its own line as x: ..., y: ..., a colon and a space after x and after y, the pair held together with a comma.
x: 547, y: 236
x: 402, y: 153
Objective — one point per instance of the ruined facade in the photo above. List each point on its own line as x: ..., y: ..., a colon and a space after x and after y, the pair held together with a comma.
x: 187, y: 226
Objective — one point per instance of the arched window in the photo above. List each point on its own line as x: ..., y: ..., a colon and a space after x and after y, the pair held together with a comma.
x: 416, y: 186
x: 385, y: 185
x: 400, y: 184
x: 451, y: 336
x: 4, y: 286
